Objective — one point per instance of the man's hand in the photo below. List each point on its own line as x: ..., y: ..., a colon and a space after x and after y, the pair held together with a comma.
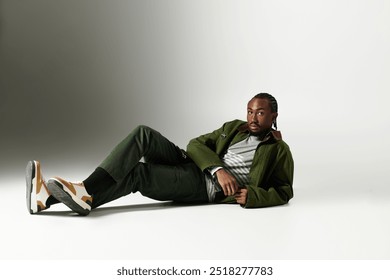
x: 227, y: 182
x: 241, y: 196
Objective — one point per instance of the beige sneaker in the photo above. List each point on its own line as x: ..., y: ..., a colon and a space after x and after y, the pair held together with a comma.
x: 36, y: 189
x: 73, y: 195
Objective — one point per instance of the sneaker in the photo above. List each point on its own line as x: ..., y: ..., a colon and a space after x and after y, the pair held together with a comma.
x: 36, y: 189
x: 73, y: 195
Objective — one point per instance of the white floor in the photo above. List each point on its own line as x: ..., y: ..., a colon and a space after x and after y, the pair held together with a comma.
x: 312, y: 226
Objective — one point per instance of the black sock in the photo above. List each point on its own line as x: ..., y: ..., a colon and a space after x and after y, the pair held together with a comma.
x: 51, y: 200
x: 98, y: 180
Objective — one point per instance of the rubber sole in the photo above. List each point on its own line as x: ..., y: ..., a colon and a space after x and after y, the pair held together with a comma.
x: 31, y: 187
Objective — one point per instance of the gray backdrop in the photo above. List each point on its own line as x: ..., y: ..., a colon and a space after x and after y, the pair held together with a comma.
x: 77, y: 76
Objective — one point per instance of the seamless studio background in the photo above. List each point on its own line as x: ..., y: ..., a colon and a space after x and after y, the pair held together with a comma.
x: 77, y: 76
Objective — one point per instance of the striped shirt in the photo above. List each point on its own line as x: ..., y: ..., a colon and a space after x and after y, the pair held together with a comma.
x: 237, y: 161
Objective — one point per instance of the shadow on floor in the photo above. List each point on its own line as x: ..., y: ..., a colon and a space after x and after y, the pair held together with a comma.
x: 102, y: 211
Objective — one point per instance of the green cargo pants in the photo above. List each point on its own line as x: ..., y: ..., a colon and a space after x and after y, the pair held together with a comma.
x: 165, y: 174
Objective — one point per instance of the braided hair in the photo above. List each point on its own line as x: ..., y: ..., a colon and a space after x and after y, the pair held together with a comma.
x: 273, y: 103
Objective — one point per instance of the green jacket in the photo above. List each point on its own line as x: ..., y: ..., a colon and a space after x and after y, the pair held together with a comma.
x: 271, y: 173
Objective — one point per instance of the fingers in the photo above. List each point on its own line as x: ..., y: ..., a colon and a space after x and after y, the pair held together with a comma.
x: 229, y: 188
x: 238, y: 195
x: 241, y: 196
x: 227, y: 182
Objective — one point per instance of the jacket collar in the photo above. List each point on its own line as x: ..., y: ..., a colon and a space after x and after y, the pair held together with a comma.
x: 275, y: 134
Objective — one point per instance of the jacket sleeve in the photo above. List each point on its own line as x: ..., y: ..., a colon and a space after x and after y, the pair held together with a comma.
x: 278, y: 189
x: 202, y: 150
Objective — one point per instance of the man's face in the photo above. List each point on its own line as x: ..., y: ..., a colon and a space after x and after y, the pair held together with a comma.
x: 260, y: 116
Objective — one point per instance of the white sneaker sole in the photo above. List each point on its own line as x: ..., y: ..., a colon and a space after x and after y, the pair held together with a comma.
x: 31, y: 187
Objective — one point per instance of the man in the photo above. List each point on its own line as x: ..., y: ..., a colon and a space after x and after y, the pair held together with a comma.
x: 245, y: 163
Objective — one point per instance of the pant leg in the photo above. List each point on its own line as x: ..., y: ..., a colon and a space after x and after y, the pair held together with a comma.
x: 142, y: 142
x: 181, y: 183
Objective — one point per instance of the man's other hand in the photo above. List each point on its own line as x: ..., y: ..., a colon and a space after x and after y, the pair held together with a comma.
x: 227, y: 182
x: 241, y: 196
